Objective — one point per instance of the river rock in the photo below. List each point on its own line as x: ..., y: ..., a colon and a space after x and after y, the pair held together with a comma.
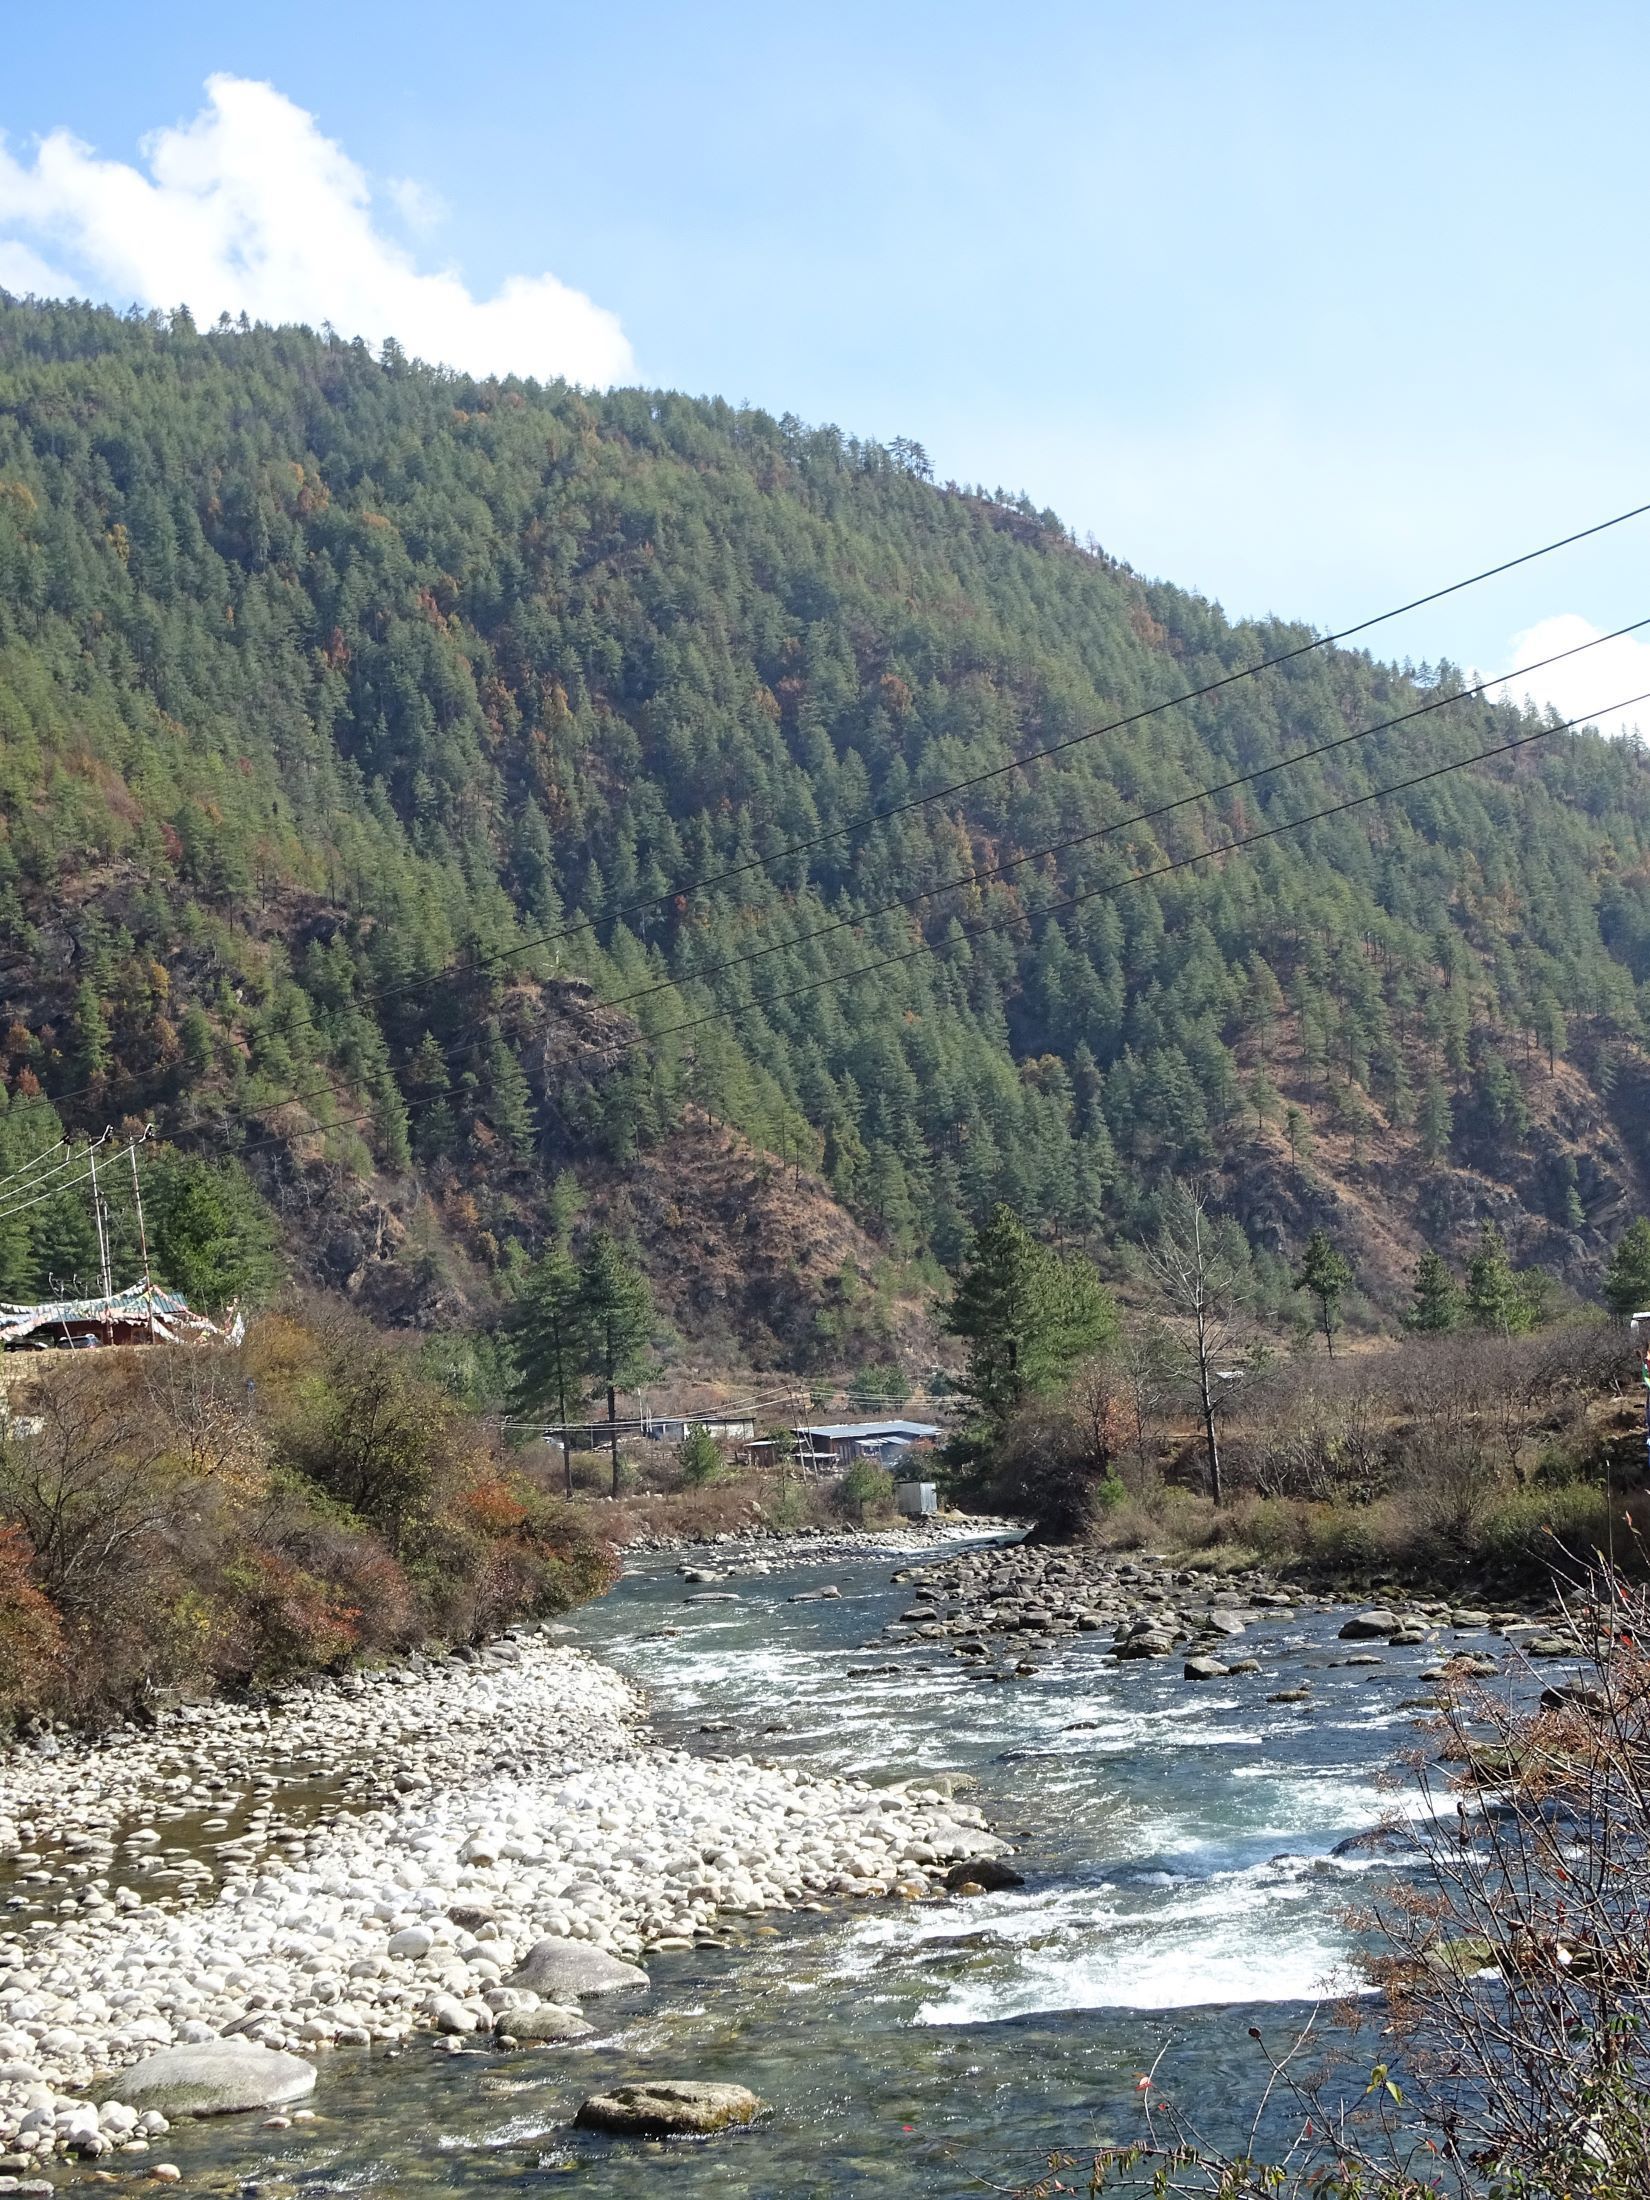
x: 549, y: 2022
x: 989, y: 1872
x: 569, y: 1970
x: 1370, y: 1626
x: 216, y: 2078
x: 669, y: 2107
x: 1205, y: 1669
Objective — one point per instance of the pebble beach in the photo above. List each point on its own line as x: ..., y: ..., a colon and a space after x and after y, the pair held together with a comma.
x: 389, y: 1854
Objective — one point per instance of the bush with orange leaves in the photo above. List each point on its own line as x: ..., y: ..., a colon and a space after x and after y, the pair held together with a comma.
x: 31, y: 1639
x: 180, y: 1519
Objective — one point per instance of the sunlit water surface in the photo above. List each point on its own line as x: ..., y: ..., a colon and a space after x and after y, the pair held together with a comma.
x: 1175, y: 1839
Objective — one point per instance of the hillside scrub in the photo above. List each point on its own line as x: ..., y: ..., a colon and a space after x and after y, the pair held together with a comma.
x: 1432, y: 1457
x: 198, y: 1520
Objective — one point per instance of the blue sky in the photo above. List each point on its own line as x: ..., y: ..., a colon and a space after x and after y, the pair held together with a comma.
x: 1310, y: 307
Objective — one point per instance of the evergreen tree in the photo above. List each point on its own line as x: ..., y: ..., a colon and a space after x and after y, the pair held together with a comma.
x: 1434, y: 1300
x: 698, y: 1458
x: 1493, y: 1296
x: 616, y: 1311
x: 1325, y: 1272
x: 551, y: 1344
x: 1434, y: 1121
x: 1026, y: 1316
x: 1627, y: 1285
x: 210, y: 1235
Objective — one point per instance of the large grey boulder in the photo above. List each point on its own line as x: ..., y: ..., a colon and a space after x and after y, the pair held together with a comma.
x: 1370, y: 1626
x: 565, y: 1970
x: 669, y: 2107
x: 1206, y: 1669
x: 217, y: 2078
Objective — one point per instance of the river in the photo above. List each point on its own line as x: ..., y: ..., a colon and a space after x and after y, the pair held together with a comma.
x: 1175, y: 1839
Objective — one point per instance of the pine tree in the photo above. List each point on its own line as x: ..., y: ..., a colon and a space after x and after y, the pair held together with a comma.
x: 551, y: 1344
x: 1434, y: 1122
x: 1494, y: 1299
x: 1325, y: 1272
x: 1434, y: 1299
x: 616, y: 1308
x: 1627, y: 1283
x: 1262, y: 1096
x: 1026, y: 1316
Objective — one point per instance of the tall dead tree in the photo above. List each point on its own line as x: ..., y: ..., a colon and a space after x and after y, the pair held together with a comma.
x: 1201, y: 1286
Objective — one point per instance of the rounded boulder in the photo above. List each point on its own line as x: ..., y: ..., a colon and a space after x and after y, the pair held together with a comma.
x: 217, y: 2078
x: 667, y: 2108
x: 563, y: 1970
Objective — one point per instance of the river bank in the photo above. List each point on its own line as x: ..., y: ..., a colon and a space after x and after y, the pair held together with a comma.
x: 379, y: 1857
x: 383, y: 1855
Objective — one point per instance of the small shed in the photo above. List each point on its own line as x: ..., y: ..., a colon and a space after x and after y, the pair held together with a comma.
x: 916, y: 1499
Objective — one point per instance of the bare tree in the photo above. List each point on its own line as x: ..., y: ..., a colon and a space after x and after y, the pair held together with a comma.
x: 1201, y: 1286
x: 89, y: 1480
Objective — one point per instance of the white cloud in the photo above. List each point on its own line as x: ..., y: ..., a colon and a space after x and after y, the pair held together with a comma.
x: 418, y: 206
x: 249, y: 208
x: 1581, y: 687
x: 25, y: 274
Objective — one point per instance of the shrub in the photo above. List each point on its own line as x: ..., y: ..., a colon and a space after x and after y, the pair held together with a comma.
x: 31, y: 1637
x: 863, y: 1488
x: 698, y: 1458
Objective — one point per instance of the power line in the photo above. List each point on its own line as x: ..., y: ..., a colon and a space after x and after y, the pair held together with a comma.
x: 25, y: 1168
x: 453, y: 1053
x: 75, y: 1159
x: 1014, y: 764
x: 1101, y: 832
x: 1140, y: 878
x: 916, y: 802
x: 1112, y: 887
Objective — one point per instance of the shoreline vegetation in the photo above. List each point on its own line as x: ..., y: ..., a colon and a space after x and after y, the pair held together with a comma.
x: 1484, y: 1448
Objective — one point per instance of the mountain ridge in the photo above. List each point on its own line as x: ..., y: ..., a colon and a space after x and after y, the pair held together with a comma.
x: 328, y: 684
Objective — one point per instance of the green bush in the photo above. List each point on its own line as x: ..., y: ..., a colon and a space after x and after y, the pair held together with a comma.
x: 863, y: 1489
x: 699, y: 1458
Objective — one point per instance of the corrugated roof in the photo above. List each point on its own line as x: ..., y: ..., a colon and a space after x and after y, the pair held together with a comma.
x: 867, y: 1431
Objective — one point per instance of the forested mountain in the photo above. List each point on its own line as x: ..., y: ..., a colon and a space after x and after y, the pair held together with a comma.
x: 356, y: 718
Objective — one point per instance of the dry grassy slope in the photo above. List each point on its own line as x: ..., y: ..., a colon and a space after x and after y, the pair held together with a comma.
x: 1378, y: 1197
x: 759, y: 1257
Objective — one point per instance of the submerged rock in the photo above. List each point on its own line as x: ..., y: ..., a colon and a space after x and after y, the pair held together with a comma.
x: 669, y: 2107
x: 216, y: 2078
x: 543, y: 2026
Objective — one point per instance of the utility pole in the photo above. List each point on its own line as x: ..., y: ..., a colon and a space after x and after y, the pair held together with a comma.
x: 101, y: 1219
x: 143, y: 1239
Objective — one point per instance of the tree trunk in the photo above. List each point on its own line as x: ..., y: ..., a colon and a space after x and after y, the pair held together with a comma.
x: 1207, y: 1398
x: 613, y: 1434
x: 566, y: 1440
x: 1213, y: 1442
